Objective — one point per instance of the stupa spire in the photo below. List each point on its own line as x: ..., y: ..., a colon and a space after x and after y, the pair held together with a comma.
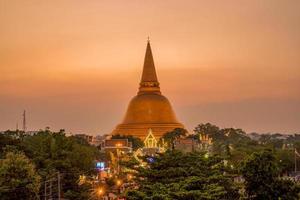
x: 149, y: 109
x: 149, y: 82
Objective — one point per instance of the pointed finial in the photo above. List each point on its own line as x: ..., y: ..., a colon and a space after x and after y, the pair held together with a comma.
x: 148, y: 39
x: 149, y: 82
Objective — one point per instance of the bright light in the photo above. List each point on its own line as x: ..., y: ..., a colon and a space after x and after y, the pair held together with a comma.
x: 206, y: 155
x: 119, y: 182
x: 119, y: 144
x: 100, y: 191
x: 100, y: 166
x: 129, y: 176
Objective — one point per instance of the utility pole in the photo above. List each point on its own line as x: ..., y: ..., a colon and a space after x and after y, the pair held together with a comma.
x: 58, y: 185
x: 118, y: 155
x: 45, y: 192
x: 50, y: 188
x: 52, y: 192
x: 295, y: 152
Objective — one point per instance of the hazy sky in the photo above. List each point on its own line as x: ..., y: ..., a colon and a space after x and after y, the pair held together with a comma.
x: 75, y: 64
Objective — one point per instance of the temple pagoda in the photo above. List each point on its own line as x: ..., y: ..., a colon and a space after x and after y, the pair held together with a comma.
x: 149, y: 109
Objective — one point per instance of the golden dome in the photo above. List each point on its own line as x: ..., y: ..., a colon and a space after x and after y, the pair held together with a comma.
x: 149, y: 109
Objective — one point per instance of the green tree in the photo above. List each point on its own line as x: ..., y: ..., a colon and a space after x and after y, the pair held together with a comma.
x: 262, y: 180
x: 231, y: 143
x: 18, y: 178
x: 178, y: 176
x: 10, y: 139
x: 208, y: 128
x: 171, y: 136
x: 53, y: 152
x: 286, y: 161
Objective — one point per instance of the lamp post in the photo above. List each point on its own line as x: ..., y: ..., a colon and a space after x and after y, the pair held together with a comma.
x: 118, y: 145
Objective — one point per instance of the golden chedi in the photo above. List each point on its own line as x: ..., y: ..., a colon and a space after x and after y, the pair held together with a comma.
x: 149, y: 109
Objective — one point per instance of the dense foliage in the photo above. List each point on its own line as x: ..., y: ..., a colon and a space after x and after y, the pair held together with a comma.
x: 235, y: 145
x: 262, y: 160
x: 18, y: 177
x: 176, y: 175
x: 170, y: 137
x: 262, y: 179
x: 53, y: 152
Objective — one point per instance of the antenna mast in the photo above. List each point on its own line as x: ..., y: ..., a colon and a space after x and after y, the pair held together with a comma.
x: 24, y: 121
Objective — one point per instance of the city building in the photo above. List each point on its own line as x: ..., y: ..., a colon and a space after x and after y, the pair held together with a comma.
x: 151, y: 145
x: 88, y: 138
x: 98, y: 139
x: 187, y: 144
x: 113, y: 145
x: 115, y: 150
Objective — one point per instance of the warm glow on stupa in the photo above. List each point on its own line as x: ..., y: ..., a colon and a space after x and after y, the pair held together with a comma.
x: 149, y: 109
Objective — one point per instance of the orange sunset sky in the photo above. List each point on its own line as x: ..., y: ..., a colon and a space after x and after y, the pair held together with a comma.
x: 75, y: 64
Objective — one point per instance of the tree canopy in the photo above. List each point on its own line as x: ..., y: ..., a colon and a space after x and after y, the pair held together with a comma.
x: 260, y: 159
x: 262, y: 179
x: 18, y: 177
x: 53, y: 152
x: 170, y: 137
x: 177, y: 175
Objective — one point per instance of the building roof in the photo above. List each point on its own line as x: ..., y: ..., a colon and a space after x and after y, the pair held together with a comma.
x: 116, y: 143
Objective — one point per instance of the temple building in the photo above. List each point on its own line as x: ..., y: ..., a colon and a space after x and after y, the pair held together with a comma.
x: 149, y: 109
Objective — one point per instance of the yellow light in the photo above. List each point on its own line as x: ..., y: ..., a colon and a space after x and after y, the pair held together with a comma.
x: 206, y: 155
x: 100, y: 191
x: 129, y: 176
x: 118, y: 182
x: 82, y: 179
x: 119, y: 144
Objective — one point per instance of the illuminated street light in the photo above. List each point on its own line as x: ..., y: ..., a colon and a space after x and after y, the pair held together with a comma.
x: 100, y: 191
x: 118, y: 182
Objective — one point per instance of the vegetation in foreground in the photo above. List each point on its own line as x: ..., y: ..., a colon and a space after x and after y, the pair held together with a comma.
x: 193, y: 176
x: 177, y: 175
x: 26, y: 162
